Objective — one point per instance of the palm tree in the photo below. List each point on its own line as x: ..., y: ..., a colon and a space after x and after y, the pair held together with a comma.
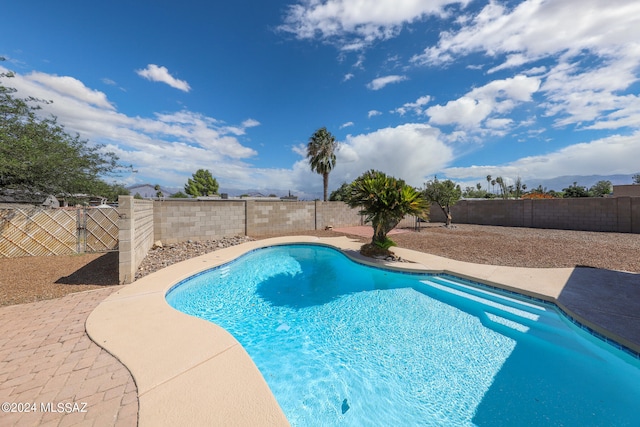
x: 500, y: 182
x: 385, y: 200
x: 488, y: 182
x: 320, y: 152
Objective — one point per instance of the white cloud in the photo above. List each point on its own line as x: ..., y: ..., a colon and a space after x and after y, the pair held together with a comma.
x: 594, y: 97
x: 346, y: 125
x: 465, y: 112
x: 355, y: 24
x: 164, y: 147
x: 496, y: 97
x: 380, y: 82
x: 498, y: 123
x: 72, y: 88
x: 412, y: 152
x: 167, y: 148
x: 300, y: 149
x: 347, y: 77
x: 526, y: 32
x: 250, y: 123
x: 161, y: 74
x: 416, y: 106
x: 373, y: 113
x: 612, y: 155
x: 591, y: 49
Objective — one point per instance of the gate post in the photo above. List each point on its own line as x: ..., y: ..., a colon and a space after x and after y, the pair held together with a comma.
x: 126, y: 257
x: 81, y: 229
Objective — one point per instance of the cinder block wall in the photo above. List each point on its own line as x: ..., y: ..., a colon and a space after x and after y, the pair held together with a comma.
x: 619, y: 214
x: 336, y: 214
x: 179, y: 220
x: 270, y: 217
x: 135, y: 235
x: 632, y: 190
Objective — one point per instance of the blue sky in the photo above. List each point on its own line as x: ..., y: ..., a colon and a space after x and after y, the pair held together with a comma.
x: 461, y: 89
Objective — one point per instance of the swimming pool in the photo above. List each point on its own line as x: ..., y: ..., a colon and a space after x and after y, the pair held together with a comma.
x: 344, y: 344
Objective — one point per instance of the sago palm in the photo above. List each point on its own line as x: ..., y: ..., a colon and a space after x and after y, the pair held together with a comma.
x: 385, y: 200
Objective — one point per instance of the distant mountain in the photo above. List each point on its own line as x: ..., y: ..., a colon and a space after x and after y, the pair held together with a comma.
x: 149, y: 191
x: 588, y: 181
x: 268, y: 191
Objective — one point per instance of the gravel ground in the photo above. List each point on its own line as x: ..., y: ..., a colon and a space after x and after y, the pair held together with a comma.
x: 36, y: 278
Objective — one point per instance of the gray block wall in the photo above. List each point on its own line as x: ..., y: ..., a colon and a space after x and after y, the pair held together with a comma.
x: 609, y: 214
x: 135, y: 235
x: 180, y: 220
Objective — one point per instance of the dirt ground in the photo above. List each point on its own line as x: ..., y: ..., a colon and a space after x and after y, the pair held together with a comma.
x: 31, y: 279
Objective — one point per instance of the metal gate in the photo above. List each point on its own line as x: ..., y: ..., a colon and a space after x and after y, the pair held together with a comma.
x: 97, y: 229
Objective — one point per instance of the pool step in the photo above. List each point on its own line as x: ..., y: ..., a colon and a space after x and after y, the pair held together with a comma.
x: 223, y: 271
x: 505, y: 314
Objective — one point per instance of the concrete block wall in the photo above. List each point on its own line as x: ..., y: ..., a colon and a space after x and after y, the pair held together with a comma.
x: 634, y: 213
x: 270, y: 217
x: 336, y: 214
x: 632, y: 190
x: 135, y: 235
x: 587, y: 214
x: 620, y: 214
x: 179, y: 220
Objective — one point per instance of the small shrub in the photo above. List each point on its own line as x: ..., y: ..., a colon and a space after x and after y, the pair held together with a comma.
x: 386, y: 244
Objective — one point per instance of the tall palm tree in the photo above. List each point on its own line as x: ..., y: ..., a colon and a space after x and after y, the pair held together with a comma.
x: 320, y: 152
x: 488, y: 182
x: 503, y: 187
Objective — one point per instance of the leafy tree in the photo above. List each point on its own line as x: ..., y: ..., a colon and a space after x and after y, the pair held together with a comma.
x: 476, y: 193
x: 601, y: 188
x: 504, y: 193
x: 341, y: 194
x: 444, y: 193
x: 38, y: 155
x: 320, y: 152
x: 137, y: 196
x: 202, y: 184
x: 179, y: 195
x: 385, y: 200
x: 110, y: 192
x: 519, y: 188
x: 159, y: 192
x: 575, y: 191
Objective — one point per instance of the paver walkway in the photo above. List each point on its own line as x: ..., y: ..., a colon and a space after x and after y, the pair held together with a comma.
x: 50, y: 367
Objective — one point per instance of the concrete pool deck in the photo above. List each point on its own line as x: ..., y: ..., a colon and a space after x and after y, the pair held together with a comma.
x: 191, y: 372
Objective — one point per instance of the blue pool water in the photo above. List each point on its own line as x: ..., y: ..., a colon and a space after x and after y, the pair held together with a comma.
x: 342, y: 344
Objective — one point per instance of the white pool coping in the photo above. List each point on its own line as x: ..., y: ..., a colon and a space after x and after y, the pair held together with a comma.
x: 192, y: 372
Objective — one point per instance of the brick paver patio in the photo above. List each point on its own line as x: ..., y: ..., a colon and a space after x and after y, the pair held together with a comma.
x: 50, y: 367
